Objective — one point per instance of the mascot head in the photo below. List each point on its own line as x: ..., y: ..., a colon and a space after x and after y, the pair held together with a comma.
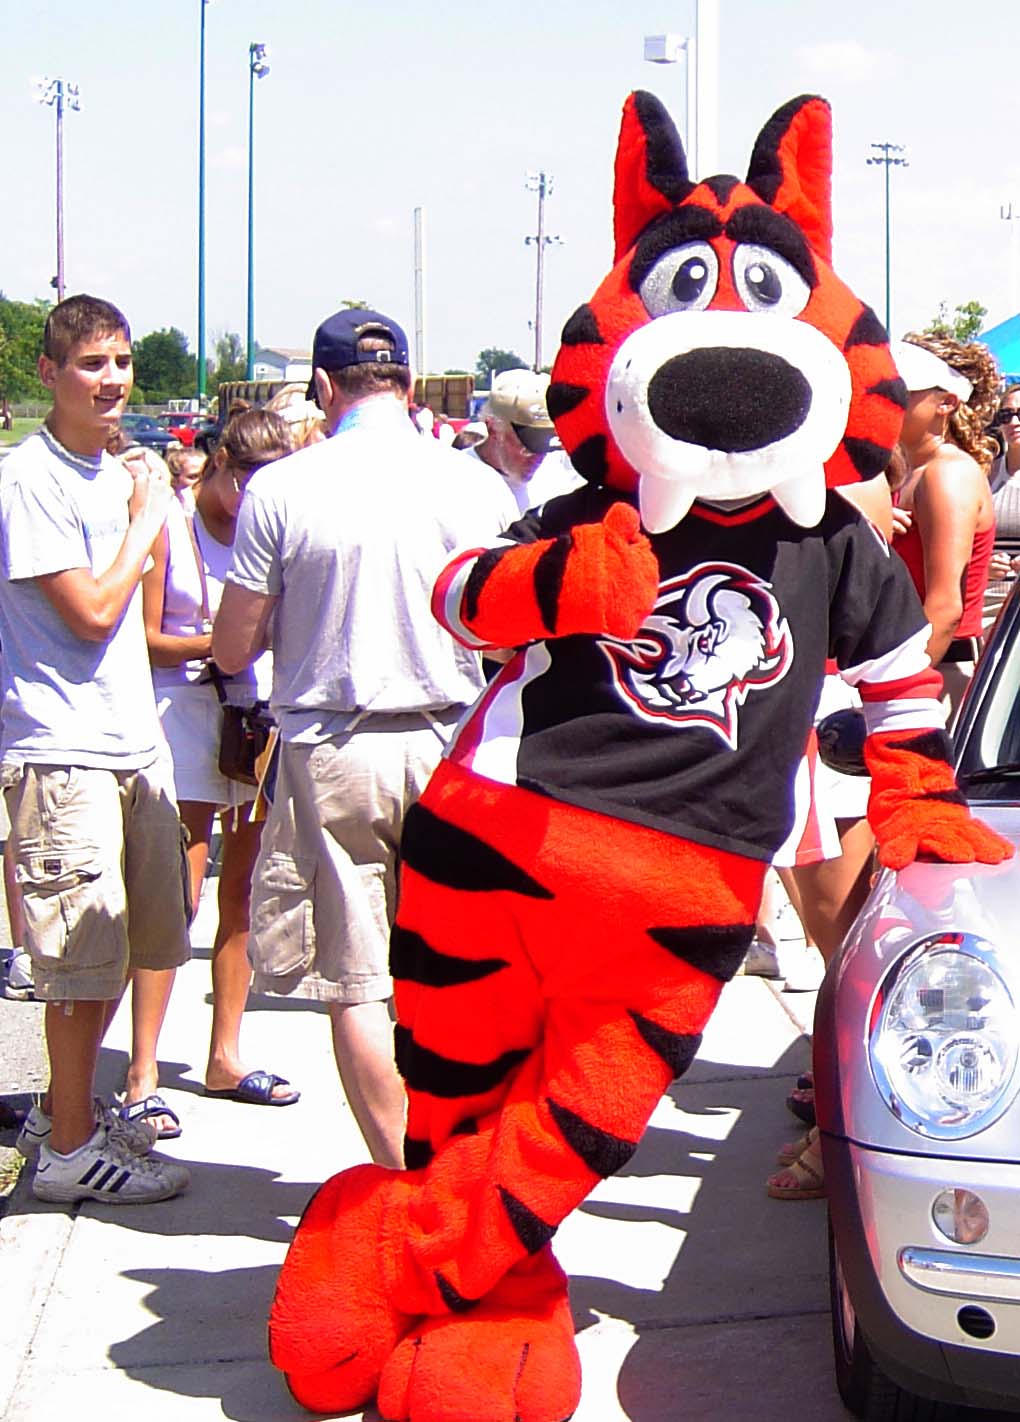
x: 722, y: 358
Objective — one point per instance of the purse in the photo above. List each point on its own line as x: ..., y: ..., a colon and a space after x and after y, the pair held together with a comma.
x: 246, y: 730
x: 244, y: 736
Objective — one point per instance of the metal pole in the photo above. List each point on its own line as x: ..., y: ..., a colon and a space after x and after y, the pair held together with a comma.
x: 419, y: 291
x: 250, y: 359
x: 888, y: 265
x: 705, y: 61
x: 539, y: 271
x: 60, y: 190
x: 884, y: 154
x: 201, y: 206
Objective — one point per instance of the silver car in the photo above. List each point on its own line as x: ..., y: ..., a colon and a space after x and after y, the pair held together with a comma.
x: 917, y: 1090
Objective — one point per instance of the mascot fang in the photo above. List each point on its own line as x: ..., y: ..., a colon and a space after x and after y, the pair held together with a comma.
x: 582, y: 874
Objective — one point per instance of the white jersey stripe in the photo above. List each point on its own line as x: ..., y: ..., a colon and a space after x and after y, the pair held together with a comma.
x: 914, y: 713
x: 490, y: 740
x: 909, y: 658
x: 452, y: 598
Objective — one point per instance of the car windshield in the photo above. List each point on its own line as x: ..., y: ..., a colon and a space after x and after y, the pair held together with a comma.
x: 988, y: 737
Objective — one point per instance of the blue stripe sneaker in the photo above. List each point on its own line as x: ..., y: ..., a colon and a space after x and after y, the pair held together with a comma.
x: 104, y: 1169
x: 137, y: 1136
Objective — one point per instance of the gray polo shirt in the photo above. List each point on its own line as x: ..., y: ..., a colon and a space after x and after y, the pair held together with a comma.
x: 350, y: 535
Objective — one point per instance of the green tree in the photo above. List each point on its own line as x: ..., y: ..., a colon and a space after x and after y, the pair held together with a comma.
x: 493, y: 361
x: 964, y: 325
x: 229, y: 362
x: 21, y: 334
x: 164, y: 369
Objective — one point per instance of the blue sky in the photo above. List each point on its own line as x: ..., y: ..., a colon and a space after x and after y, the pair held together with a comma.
x: 373, y: 109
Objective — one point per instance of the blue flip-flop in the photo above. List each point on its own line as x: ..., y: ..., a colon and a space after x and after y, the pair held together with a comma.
x: 146, y: 1109
x: 256, y: 1089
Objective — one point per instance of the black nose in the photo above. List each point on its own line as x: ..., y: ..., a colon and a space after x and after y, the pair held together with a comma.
x: 729, y: 399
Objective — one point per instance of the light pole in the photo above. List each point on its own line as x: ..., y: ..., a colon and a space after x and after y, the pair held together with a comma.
x: 419, y: 291
x: 58, y: 93
x: 201, y: 204
x: 258, y: 68
x: 668, y: 49
x: 542, y: 184
x: 701, y: 51
x: 884, y: 155
x: 1010, y: 212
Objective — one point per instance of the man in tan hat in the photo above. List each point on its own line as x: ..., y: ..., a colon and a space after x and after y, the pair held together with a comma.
x: 521, y: 443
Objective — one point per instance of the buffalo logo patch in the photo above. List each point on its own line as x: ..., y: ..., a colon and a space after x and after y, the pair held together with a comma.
x: 716, y: 636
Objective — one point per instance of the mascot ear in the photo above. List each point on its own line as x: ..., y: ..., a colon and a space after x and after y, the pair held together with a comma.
x: 651, y: 169
x: 791, y: 168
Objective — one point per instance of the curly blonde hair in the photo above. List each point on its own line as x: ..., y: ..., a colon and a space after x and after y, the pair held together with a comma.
x: 969, y: 421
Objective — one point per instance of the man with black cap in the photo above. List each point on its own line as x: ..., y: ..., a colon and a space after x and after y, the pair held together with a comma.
x: 340, y: 544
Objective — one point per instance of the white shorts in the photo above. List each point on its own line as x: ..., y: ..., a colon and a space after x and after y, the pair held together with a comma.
x: 192, y: 722
x: 822, y: 796
x: 844, y: 797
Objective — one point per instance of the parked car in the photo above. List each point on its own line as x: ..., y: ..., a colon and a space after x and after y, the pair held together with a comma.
x: 143, y: 429
x: 917, y: 1093
x: 183, y: 425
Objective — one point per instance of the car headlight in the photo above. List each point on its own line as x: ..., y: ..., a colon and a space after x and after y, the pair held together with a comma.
x: 944, y: 1035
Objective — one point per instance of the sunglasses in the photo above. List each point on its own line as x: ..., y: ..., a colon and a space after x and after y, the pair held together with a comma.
x: 1005, y: 417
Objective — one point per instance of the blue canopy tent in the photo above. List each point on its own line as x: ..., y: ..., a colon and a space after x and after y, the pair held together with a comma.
x: 1003, y: 341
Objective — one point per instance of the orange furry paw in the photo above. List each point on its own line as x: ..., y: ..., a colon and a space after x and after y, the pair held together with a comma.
x: 511, y: 1358
x: 331, y: 1327
x: 949, y: 834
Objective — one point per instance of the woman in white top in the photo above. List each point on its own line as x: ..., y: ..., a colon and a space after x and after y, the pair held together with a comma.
x: 181, y: 593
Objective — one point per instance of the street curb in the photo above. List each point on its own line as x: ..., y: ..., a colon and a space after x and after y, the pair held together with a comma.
x: 33, y: 1238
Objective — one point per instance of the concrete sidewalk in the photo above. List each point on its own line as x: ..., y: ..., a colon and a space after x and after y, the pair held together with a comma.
x: 694, y: 1294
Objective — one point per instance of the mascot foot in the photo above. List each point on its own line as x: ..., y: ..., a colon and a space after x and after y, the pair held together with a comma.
x: 331, y: 1327
x: 511, y: 1358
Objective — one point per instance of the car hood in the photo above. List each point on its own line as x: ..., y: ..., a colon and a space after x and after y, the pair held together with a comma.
x: 902, y: 909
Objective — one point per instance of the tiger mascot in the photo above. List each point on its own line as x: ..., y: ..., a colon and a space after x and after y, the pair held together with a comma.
x: 582, y: 874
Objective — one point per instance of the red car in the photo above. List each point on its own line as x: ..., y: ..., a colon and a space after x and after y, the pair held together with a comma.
x: 183, y: 425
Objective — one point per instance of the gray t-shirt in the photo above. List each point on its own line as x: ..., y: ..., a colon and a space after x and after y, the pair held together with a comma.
x: 350, y: 535
x: 67, y: 701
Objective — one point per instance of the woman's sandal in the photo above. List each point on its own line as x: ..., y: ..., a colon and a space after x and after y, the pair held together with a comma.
x: 793, y: 1150
x: 801, y: 1102
x: 803, y: 1179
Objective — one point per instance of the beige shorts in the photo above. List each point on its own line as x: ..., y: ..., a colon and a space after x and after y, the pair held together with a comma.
x: 325, y: 884
x: 100, y: 858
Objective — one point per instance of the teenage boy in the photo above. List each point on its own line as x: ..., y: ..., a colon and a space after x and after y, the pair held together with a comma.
x: 83, y: 764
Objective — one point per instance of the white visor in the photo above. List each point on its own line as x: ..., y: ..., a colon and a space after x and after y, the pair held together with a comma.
x: 921, y: 369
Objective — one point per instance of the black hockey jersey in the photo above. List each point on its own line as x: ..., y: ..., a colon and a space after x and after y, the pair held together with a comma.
x: 697, y: 725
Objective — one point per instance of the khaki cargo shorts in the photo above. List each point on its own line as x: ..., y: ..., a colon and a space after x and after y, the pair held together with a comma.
x: 100, y: 858
x: 325, y: 884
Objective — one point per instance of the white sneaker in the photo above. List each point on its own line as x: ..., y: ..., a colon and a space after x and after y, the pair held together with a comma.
x: 803, y: 967
x: 760, y: 961
x: 102, y: 1169
x: 17, y: 982
x: 138, y: 1137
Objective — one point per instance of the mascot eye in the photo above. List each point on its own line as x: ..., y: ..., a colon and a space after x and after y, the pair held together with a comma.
x: 683, y: 279
x: 767, y: 282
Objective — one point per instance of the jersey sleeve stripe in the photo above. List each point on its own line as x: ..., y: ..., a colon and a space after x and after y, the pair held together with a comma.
x: 926, y: 684
x: 902, y: 661
x: 915, y: 713
x: 448, y: 594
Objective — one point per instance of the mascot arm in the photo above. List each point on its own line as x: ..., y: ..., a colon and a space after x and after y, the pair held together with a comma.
x: 915, y: 807
x: 597, y: 578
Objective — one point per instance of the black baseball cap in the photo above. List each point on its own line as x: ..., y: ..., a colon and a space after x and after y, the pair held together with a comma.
x: 336, y: 342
